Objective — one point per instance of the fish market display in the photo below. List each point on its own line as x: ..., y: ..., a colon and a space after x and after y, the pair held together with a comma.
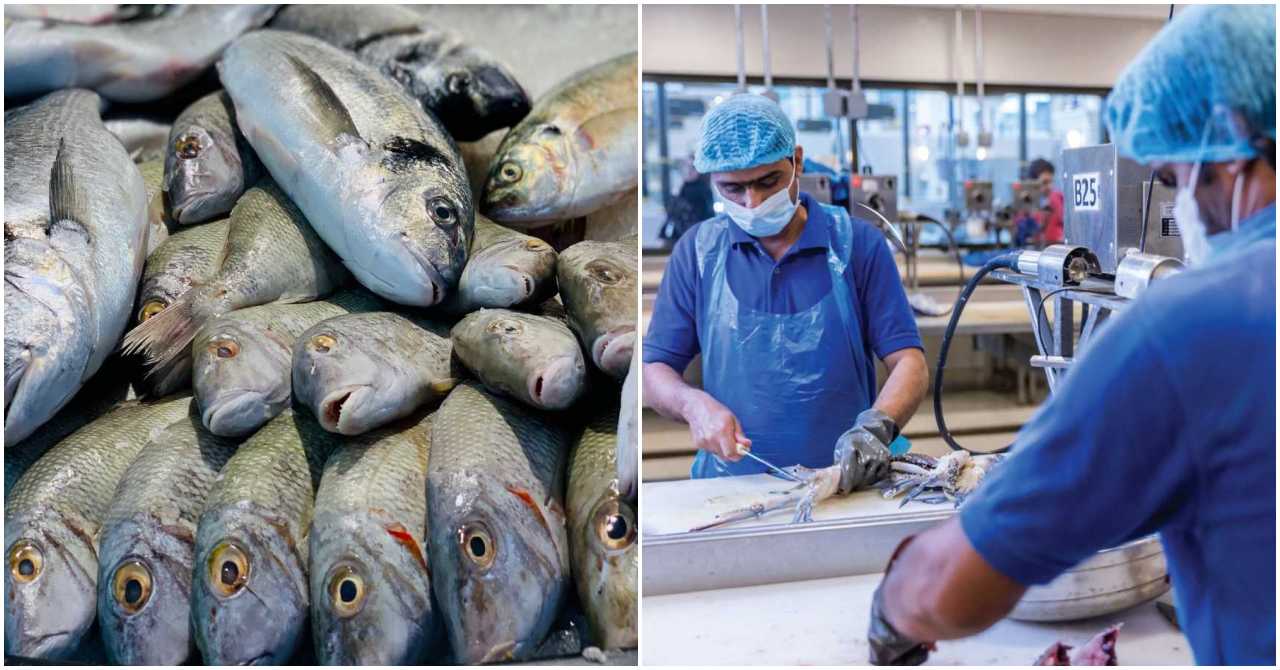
x: 208, y: 164
x: 498, y: 546
x: 376, y: 175
x: 532, y: 358
x: 75, y: 233
x: 950, y: 478
x: 1100, y: 650
x: 599, y: 286
x: 249, y: 599
x: 133, y: 61
x: 370, y: 582
x: 573, y: 154
x: 602, y: 535
x: 145, y: 550
x: 272, y: 255
x: 51, y: 521
x: 470, y: 91
x: 241, y: 362
x: 506, y: 269
x: 360, y: 371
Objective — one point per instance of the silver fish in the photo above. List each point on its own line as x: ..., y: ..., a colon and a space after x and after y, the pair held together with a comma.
x: 370, y: 582
x: 377, y: 177
x: 532, y: 358
x: 470, y: 91
x: 360, y: 371
x: 136, y: 61
x: 602, y: 536
x: 75, y: 233
x: 498, y: 547
x: 208, y: 164
x: 241, y: 362
x: 506, y: 269
x: 272, y: 255
x: 599, y: 287
x: 147, y: 541
x: 249, y: 593
x: 51, y: 522
x: 574, y: 153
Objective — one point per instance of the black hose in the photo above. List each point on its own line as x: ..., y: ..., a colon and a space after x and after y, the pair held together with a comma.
x: 1008, y: 260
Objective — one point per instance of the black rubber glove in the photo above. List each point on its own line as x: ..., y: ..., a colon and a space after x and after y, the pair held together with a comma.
x: 888, y: 646
x: 862, y: 452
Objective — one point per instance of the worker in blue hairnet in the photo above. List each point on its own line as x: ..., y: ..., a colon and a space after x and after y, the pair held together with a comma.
x: 1167, y: 423
x: 790, y: 302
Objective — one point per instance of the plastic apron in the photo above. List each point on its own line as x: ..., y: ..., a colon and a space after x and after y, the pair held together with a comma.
x: 795, y: 381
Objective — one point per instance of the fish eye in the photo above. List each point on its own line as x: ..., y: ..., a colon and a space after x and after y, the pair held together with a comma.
x: 322, y: 343
x: 506, y: 327
x: 131, y: 586
x: 477, y: 544
x: 25, y: 561
x: 228, y: 568
x: 224, y: 347
x: 510, y: 172
x: 457, y: 82
x: 346, y: 591
x: 442, y: 211
x: 187, y: 147
x: 615, y: 524
x: 150, y: 309
x: 604, y: 273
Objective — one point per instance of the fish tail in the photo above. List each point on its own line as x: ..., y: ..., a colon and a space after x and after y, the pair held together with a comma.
x: 162, y: 339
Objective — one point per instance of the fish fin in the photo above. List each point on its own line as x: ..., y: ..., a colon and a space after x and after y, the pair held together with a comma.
x: 330, y: 115
x: 163, y: 338
x: 66, y: 201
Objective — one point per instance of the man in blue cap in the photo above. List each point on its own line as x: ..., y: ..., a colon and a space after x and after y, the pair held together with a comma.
x: 1167, y: 423
x: 789, y: 301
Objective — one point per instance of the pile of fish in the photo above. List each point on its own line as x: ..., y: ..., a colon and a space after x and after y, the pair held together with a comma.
x: 279, y: 384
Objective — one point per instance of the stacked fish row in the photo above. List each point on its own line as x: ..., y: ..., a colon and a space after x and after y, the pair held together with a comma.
x: 371, y: 416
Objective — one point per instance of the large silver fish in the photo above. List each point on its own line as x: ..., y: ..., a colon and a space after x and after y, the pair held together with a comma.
x: 602, y: 536
x: 75, y: 229
x: 147, y: 541
x: 208, y: 164
x: 574, y: 153
x: 377, y: 176
x: 506, y: 269
x: 532, y: 358
x: 599, y: 287
x: 499, y: 552
x: 360, y: 371
x: 241, y: 362
x: 135, y: 61
x: 370, y: 581
x: 51, y: 522
x: 249, y: 594
x: 469, y: 90
x: 272, y: 255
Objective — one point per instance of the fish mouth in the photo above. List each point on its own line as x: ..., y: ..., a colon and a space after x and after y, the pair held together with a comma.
x: 434, y: 278
x: 235, y: 413
x: 612, y: 351
x: 336, y: 412
x: 558, y: 384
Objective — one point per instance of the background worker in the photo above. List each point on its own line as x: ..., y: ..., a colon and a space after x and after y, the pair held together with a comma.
x: 1167, y: 422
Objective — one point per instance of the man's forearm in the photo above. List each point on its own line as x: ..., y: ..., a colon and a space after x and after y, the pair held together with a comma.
x: 665, y: 390
x: 906, y: 386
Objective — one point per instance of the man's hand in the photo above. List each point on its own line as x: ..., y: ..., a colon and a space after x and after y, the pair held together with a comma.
x: 714, y: 428
x: 862, y: 452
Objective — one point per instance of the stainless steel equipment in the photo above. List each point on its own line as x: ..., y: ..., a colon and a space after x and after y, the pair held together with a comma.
x: 1107, y: 582
x: 877, y: 191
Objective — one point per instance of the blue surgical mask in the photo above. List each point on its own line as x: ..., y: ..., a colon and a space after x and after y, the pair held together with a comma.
x: 769, y: 217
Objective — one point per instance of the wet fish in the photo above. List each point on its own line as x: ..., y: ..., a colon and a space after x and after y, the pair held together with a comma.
x: 599, y: 287
x: 469, y: 90
x: 272, y: 255
x: 51, y: 522
x: 532, y: 358
x: 75, y: 236
x: 573, y: 154
x: 360, y: 371
x: 249, y: 596
x: 135, y: 61
x: 506, y: 269
x: 370, y: 582
x: 377, y: 177
x: 145, y: 549
x: 602, y: 535
x: 628, y: 448
x: 208, y: 164
x: 144, y: 139
x: 499, y: 551
x: 241, y: 362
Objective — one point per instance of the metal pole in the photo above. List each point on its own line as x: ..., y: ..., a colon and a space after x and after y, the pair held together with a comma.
x: 742, y: 53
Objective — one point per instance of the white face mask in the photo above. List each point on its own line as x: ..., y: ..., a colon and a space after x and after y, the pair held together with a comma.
x: 769, y: 217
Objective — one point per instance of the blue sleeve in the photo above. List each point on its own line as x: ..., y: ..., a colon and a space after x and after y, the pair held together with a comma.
x: 891, y: 325
x: 1097, y: 466
x: 673, y: 333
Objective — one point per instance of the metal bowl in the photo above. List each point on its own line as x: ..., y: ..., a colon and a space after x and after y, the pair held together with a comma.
x: 1109, y: 581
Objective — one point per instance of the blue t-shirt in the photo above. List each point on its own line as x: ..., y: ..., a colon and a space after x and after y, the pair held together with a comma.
x: 1165, y: 424
x: 796, y: 282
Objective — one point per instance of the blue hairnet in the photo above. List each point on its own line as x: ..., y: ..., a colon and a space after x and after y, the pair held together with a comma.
x: 743, y: 132
x: 1168, y: 104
